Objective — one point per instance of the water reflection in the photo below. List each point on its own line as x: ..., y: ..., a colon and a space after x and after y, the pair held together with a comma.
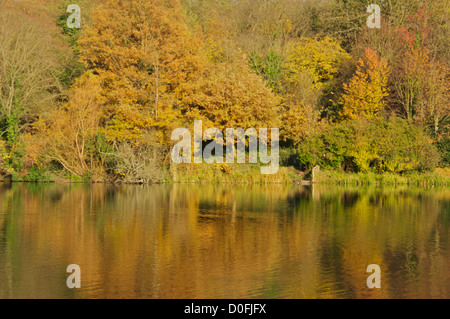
x: 193, y: 241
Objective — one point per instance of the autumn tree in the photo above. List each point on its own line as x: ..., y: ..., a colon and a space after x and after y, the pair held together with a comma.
x: 319, y: 57
x: 435, y: 111
x: 230, y: 95
x: 364, y: 94
x: 142, y: 51
x: 421, y: 78
x: 310, y: 66
x: 70, y: 132
x: 29, y: 65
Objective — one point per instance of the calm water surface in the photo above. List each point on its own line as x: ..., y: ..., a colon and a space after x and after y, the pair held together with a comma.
x: 194, y: 241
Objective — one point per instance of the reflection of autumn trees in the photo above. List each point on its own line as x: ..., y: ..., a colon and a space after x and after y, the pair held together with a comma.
x: 184, y: 241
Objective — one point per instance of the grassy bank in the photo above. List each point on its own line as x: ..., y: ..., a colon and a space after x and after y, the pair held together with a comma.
x: 440, y: 177
x: 229, y: 173
x: 251, y: 174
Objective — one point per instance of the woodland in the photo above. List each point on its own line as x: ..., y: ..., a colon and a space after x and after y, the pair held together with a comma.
x: 99, y: 103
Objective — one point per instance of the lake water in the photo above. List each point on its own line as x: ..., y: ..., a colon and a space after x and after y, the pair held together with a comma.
x: 204, y: 241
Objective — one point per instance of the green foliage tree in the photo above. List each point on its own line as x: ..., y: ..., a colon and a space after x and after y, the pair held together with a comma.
x: 394, y: 145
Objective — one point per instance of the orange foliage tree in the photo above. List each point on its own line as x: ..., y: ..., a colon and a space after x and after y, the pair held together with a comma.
x: 142, y: 51
x: 231, y: 96
x: 364, y: 94
x: 421, y: 80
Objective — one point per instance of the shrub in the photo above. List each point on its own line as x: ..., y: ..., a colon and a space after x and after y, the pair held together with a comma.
x: 443, y: 147
x: 37, y: 173
x: 393, y: 146
x: 140, y: 163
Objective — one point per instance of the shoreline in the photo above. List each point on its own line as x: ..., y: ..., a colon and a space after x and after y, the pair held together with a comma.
x: 286, y: 176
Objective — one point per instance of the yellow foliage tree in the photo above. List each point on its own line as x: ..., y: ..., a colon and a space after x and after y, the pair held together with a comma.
x: 69, y: 132
x: 310, y: 65
x: 300, y: 115
x: 319, y: 57
x: 364, y: 94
